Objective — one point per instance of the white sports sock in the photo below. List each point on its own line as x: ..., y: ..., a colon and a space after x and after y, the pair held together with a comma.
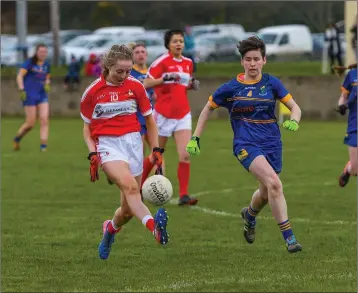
x: 145, y: 219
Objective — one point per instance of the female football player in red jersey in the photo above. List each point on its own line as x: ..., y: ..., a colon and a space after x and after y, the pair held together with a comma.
x: 171, y: 77
x: 112, y: 133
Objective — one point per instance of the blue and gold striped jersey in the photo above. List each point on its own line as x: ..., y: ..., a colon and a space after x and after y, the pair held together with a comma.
x: 350, y: 87
x: 251, y: 106
x: 141, y: 75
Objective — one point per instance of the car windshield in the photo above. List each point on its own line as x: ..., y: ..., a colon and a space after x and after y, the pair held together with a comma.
x: 269, y: 39
x: 78, y: 42
x: 205, y: 42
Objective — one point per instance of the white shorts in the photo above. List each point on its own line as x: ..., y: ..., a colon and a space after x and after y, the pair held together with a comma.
x: 167, y: 126
x: 127, y: 148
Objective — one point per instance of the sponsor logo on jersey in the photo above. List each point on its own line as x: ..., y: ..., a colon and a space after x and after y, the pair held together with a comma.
x: 109, y: 110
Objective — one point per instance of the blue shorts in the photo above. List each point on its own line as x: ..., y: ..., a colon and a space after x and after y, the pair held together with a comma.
x: 35, y: 100
x: 351, y: 139
x: 246, y: 153
x: 143, y: 129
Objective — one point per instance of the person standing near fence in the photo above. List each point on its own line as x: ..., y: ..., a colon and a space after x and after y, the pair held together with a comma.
x: 33, y: 81
x: 331, y: 37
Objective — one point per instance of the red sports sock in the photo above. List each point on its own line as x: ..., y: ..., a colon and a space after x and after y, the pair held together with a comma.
x: 111, y: 229
x: 147, y: 168
x: 148, y: 221
x: 183, y: 176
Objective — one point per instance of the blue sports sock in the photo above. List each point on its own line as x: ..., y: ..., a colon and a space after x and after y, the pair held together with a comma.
x: 17, y: 138
x: 251, y: 214
x: 43, y: 146
x: 285, y: 228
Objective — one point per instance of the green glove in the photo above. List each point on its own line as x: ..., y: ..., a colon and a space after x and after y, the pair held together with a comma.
x: 193, y: 147
x: 22, y: 95
x: 47, y: 88
x: 291, y: 125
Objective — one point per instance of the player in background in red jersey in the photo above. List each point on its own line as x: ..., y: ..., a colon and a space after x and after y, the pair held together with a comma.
x: 171, y: 77
x: 112, y: 133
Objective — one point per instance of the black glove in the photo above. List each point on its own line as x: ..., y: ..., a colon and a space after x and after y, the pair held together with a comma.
x: 171, y: 76
x: 342, y: 109
x: 195, y: 84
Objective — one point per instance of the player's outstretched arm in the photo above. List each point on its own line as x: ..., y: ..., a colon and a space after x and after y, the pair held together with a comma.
x: 193, y: 147
x: 293, y: 123
x: 92, y: 157
x: 88, y: 138
x: 153, y: 140
x: 152, y: 131
x: 152, y: 82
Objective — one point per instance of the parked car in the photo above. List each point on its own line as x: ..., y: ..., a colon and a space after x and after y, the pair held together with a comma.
x: 287, y: 40
x: 216, y: 48
x: 119, y: 30
x: 153, y: 42
x: 66, y: 35
x: 9, y: 52
x: 235, y: 30
x: 81, y: 46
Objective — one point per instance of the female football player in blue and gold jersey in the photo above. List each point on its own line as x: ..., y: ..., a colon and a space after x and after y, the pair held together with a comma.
x: 33, y: 81
x: 348, y: 101
x: 250, y: 99
x: 139, y: 72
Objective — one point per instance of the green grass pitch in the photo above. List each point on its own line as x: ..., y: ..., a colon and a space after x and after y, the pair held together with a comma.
x: 52, y: 216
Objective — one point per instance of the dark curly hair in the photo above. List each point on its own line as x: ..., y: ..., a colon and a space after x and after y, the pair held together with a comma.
x: 252, y: 44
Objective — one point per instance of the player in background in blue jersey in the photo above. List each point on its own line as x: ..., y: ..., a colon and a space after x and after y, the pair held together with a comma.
x: 348, y: 101
x: 250, y: 99
x: 33, y: 81
x: 139, y: 72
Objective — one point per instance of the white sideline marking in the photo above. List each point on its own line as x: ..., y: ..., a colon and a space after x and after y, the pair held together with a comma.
x: 231, y: 215
x: 293, y: 220
x: 253, y: 188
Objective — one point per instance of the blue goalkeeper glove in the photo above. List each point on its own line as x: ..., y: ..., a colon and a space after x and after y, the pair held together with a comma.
x: 193, y: 147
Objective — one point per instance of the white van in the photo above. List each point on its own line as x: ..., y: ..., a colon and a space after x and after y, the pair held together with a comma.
x: 287, y: 40
x: 235, y: 30
x: 119, y: 30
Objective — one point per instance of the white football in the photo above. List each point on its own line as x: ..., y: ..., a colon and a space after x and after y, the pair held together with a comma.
x: 157, y: 189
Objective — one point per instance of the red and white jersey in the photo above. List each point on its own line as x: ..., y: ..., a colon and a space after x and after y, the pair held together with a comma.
x: 112, y: 109
x: 172, y: 99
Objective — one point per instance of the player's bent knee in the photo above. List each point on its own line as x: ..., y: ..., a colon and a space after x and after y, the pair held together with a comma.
x: 130, y: 188
x: 274, y: 185
x: 184, y: 157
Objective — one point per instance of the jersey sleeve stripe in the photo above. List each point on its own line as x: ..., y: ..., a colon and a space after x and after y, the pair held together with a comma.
x: 344, y: 90
x: 149, y: 75
x: 286, y: 98
x: 212, y: 103
x: 147, y: 113
x: 188, y: 59
x: 85, y: 119
x: 89, y: 88
x: 158, y: 60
